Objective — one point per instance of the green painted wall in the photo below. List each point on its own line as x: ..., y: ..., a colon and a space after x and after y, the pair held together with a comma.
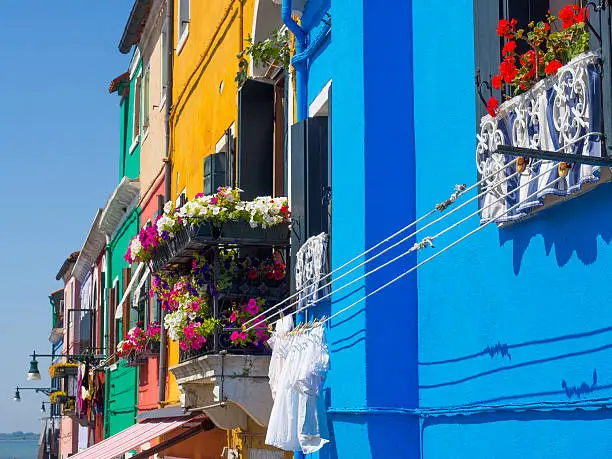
x: 129, y: 160
x: 122, y: 383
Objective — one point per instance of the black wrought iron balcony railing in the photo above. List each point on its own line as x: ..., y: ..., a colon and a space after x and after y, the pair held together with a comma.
x: 239, y: 293
x: 211, y: 242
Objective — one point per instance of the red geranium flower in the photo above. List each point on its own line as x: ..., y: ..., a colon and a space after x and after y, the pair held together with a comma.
x: 507, y: 70
x: 509, y: 47
x: 492, y: 106
x: 506, y: 28
x: 572, y: 14
x: 496, y: 81
x: 552, y: 67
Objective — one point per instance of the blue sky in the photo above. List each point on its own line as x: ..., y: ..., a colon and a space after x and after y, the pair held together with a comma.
x: 59, y: 139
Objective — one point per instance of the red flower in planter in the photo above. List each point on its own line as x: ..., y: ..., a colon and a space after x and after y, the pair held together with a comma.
x: 507, y: 69
x: 572, y: 14
x: 552, y: 67
x: 509, y: 47
x: 496, y: 81
x: 506, y: 28
x: 492, y: 106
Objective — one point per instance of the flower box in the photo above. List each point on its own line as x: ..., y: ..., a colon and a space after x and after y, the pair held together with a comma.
x: 63, y: 370
x: 241, y: 232
x: 562, y: 112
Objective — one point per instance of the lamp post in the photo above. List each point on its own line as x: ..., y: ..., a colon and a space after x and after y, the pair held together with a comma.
x: 34, y: 373
x: 43, y: 390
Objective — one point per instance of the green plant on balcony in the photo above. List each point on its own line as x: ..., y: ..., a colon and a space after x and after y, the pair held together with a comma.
x: 274, y: 51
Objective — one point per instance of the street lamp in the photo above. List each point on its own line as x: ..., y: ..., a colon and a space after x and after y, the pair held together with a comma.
x: 34, y: 374
x: 42, y: 407
x: 44, y: 390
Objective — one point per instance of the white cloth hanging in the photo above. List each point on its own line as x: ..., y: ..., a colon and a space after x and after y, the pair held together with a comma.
x: 297, y: 372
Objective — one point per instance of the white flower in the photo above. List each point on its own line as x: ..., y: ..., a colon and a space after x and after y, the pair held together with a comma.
x: 168, y: 207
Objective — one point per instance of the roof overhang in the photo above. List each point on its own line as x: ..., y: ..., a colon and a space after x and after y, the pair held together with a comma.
x: 118, y: 204
x: 135, y: 25
x: 94, y: 244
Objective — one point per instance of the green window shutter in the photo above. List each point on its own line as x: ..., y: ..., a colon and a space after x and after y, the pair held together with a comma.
x: 486, y: 51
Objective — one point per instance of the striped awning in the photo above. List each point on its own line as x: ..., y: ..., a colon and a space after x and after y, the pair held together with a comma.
x: 133, y: 437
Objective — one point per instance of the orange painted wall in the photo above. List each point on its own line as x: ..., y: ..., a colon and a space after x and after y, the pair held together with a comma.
x: 206, y: 445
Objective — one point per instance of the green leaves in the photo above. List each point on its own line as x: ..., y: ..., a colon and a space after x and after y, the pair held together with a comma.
x: 273, y: 51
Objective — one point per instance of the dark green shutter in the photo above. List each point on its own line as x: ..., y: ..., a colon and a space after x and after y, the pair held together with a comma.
x: 486, y: 51
x: 214, y: 172
x: 309, y: 179
x: 255, y: 139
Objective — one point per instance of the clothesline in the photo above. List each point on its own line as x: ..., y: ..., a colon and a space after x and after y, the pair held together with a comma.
x: 416, y: 246
x: 440, y: 252
x: 425, y: 241
x: 460, y: 190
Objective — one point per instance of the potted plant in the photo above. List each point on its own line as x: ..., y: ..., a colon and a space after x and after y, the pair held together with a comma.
x: 58, y: 397
x: 61, y: 370
x: 548, y: 48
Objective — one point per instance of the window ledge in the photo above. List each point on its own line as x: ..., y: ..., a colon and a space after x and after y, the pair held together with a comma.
x: 135, y: 143
x: 182, y: 39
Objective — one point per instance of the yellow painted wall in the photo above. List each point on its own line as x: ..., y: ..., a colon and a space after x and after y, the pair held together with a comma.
x: 204, y: 90
x: 253, y: 437
x: 201, y: 111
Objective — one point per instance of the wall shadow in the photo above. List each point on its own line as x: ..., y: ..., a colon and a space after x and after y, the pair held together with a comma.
x: 572, y: 226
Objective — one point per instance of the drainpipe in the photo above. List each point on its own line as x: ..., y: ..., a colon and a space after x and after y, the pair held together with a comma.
x: 300, y: 66
x: 163, y: 352
x: 300, y: 96
x: 109, y: 283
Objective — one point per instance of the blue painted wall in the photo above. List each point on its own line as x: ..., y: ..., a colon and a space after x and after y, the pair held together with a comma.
x: 367, y: 380
x: 515, y: 316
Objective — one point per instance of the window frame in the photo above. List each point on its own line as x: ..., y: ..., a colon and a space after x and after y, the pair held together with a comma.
x: 136, y: 115
x: 182, y: 26
x: 164, y: 80
x: 146, y: 101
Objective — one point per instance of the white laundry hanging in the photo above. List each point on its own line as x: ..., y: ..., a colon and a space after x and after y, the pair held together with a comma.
x: 297, y: 372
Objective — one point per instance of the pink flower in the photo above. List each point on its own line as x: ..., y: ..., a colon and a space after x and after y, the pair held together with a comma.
x: 184, y: 346
x: 199, y: 195
x: 252, y: 307
x: 235, y: 336
x: 233, y: 316
x: 214, y: 200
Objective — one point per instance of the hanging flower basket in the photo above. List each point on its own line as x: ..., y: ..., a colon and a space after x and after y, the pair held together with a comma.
x: 61, y: 370
x: 58, y: 397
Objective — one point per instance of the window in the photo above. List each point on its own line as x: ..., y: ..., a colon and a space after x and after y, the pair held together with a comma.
x: 146, y: 100
x: 183, y: 23
x: 136, y: 114
x: 165, y: 46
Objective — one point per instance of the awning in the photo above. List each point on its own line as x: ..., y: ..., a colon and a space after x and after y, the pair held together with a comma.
x: 119, y: 310
x: 135, y: 436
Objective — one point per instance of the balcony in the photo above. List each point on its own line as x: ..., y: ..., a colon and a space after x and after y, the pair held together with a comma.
x: 228, y: 380
x: 561, y: 113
